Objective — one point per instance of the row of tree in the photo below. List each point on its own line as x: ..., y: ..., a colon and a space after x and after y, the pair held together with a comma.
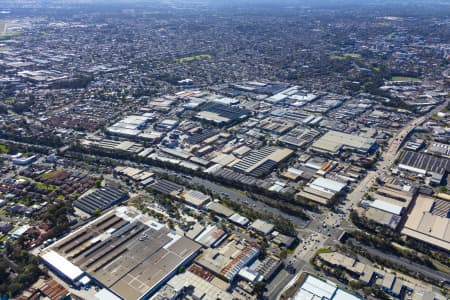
x: 285, y: 202
x: 387, y: 234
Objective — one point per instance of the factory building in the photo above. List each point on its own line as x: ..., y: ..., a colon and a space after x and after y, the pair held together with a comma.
x: 259, y: 162
x: 126, y: 253
x: 333, y: 142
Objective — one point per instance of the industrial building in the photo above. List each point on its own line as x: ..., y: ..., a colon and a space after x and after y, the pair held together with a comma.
x: 262, y: 161
x: 314, y: 288
x: 130, y: 126
x: 202, y: 288
x: 123, y: 251
x: 167, y: 187
x: 212, y: 236
x: 322, y: 190
x: 333, y: 142
x: 195, y: 198
x: 299, y: 137
x: 425, y: 164
x: 440, y: 149
x: 429, y: 221
x: 100, y: 200
x: 107, y: 144
x: 226, y: 262
x: 239, y: 220
x: 262, y: 227
x: 221, y: 114
x: 372, y: 276
x: 219, y: 209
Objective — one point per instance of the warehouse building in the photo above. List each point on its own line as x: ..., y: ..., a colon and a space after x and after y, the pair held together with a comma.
x: 63, y: 267
x: 195, y: 198
x: 440, y: 149
x: 259, y: 162
x: 322, y: 190
x: 123, y: 251
x: 219, y: 209
x: 333, y: 142
x: 425, y: 164
x: 212, y: 236
x: 226, y: 262
x: 202, y: 288
x: 262, y: 227
x: 314, y: 288
x: 130, y: 126
x: 239, y: 220
x: 167, y: 187
x: 429, y: 221
x: 100, y: 200
x: 220, y: 114
x: 107, y: 144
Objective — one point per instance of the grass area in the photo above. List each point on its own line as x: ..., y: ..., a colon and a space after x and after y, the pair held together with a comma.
x: 236, y: 191
x: 345, y: 56
x: 3, y: 237
x: 44, y: 186
x: 404, y: 78
x: 10, y: 100
x: 3, y: 148
x: 61, y: 197
x: 49, y: 175
x: 192, y: 58
x: 440, y: 266
x: 8, y: 35
x: 377, y: 69
x: 323, y: 250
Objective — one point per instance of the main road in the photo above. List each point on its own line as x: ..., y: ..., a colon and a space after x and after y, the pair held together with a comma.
x: 387, y: 158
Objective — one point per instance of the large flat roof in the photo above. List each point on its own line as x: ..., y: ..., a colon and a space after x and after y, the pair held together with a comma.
x: 64, y: 266
x: 127, y: 252
x: 423, y: 163
x: 258, y: 162
x: 333, y: 141
x: 316, y: 289
x: 328, y: 185
x: 423, y: 225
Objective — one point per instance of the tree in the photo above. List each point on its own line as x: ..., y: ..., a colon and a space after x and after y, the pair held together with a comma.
x: 283, y: 254
x: 259, y: 288
x: 98, y: 183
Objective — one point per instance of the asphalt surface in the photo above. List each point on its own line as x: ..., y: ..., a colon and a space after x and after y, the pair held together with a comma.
x: 406, y: 263
x: 388, y: 157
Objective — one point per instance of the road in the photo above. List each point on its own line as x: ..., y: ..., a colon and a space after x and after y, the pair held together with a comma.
x: 388, y: 158
x: 406, y: 263
x: 333, y: 221
x: 323, y: 228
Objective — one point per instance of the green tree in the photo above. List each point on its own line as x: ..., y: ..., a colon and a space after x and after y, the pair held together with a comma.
x: 259, y: 288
